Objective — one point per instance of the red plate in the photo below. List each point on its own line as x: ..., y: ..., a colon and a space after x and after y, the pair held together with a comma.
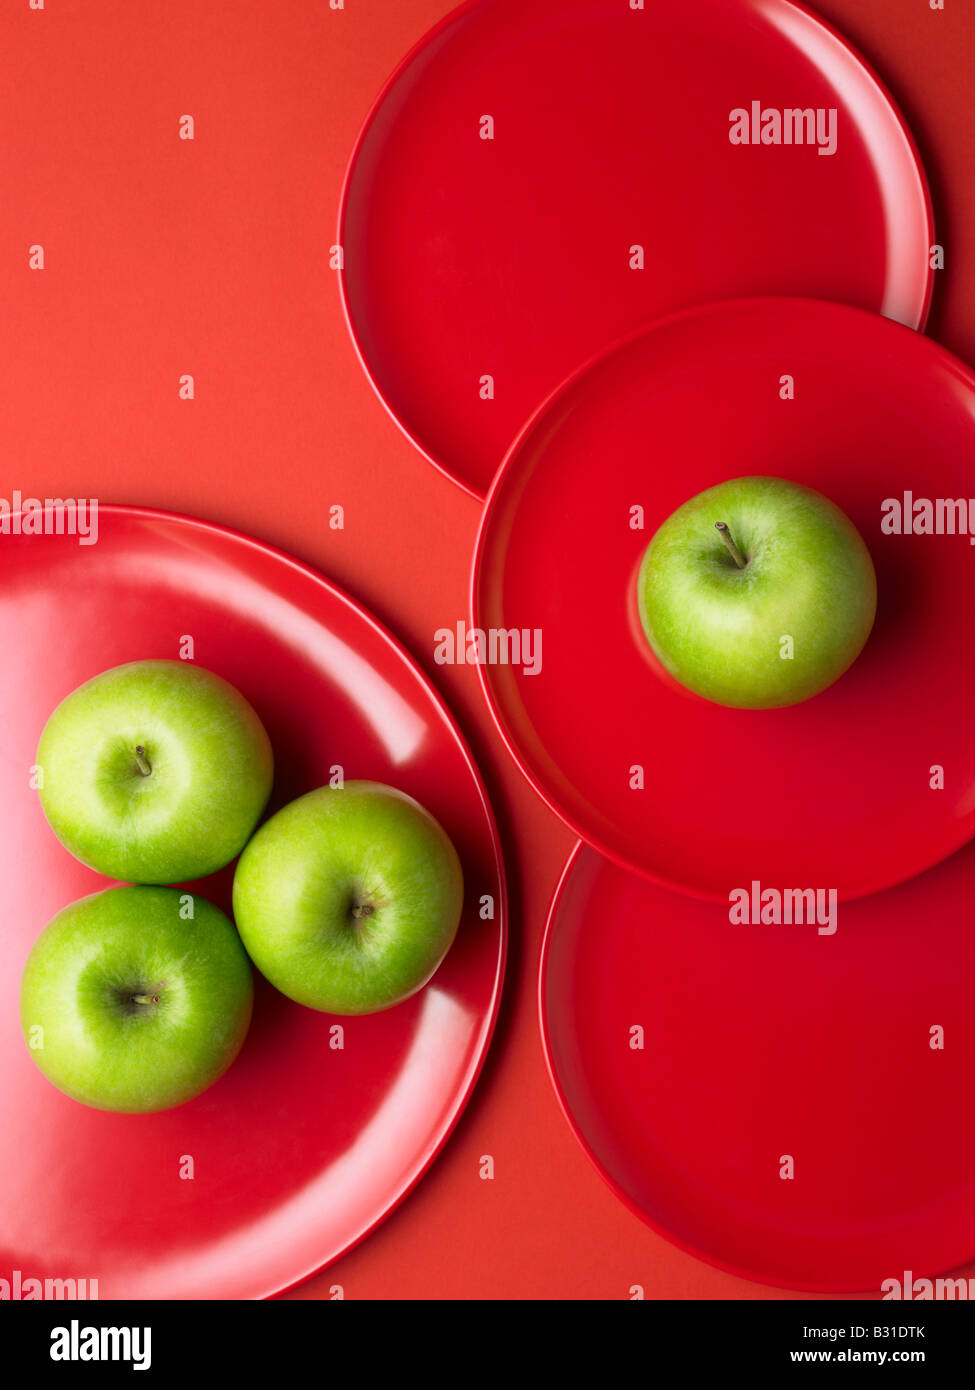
x: 301, y: 1148
x: 510, y: 257
x: 835, y: 792
x: 761, y: 1042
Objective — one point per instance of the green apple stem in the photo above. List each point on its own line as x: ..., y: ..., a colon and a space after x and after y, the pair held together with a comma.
x: 142, y: 762
x: 729, y: 540
x: 145, y: 999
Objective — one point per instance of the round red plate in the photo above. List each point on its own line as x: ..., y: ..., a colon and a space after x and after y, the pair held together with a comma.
x: 837, y: 792
x: 301, y: 1148
x: 510, y: 258
x: 693, y: 1058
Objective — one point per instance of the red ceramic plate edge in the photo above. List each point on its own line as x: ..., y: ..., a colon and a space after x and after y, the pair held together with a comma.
x: 401, y: 67
x: 521, y: 762
x: 738, y: 1271
x: 547, y: 1045
x: 431, y: 36
x: 433, y: 1151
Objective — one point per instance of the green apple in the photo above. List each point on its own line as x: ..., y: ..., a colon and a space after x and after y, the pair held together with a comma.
x: 155, y: 772
x: 757, y: 593
x: 136, y: 999
x: 349, y: 898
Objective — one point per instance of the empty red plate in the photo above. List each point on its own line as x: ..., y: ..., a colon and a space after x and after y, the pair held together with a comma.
x: 790, y: 1106
x: 854, y: 790
x: 304, y: 1145
x: 537, y: 180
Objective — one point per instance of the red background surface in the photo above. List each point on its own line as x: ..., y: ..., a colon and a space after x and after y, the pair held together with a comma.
x: 165, y: 256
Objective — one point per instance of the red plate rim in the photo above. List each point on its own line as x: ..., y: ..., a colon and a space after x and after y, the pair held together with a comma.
x: 430, y: 37
x: 426, y: 1161
x: 618, y: 1192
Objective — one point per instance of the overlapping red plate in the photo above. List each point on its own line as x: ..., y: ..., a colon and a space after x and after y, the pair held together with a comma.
x: 856, y: 789
x: 695, y: 1059
x: 302, y: 1147
x: 478, y: 272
